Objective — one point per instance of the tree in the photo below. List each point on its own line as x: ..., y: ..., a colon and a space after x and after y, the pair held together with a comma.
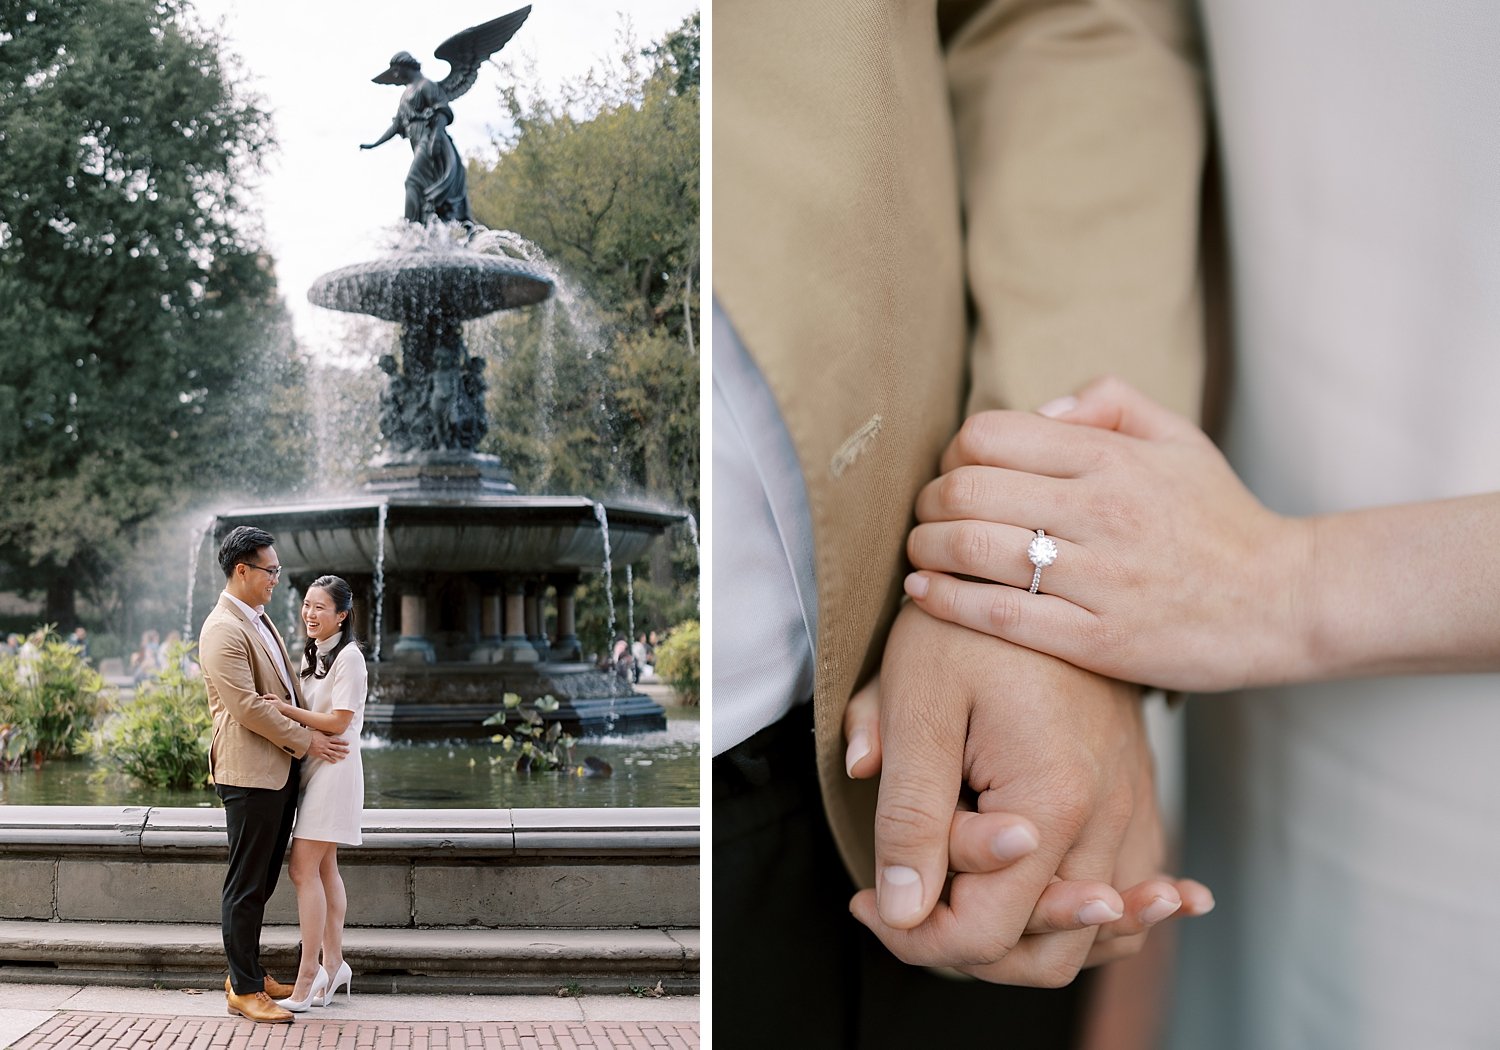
x: 134, y: 306
x: 599, y: 392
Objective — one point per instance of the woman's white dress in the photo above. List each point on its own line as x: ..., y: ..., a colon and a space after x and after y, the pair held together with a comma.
x: 1351, y: 831
x: 332, y: 799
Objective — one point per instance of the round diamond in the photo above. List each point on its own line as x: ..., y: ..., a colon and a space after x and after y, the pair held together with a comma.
x: 1042, y: 551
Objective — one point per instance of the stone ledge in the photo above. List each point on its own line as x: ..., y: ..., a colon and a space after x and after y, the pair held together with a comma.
x: 411, y: 833
x: 179, y: 955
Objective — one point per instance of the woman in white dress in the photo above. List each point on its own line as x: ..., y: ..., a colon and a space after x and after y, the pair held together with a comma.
x: 332, y: 798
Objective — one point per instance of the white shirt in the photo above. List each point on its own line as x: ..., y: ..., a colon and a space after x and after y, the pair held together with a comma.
x: 254, y: 615
x: 765, y: 598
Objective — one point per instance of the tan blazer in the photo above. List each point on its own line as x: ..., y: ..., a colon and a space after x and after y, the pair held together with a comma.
x: 884, y: 167
x: 253, y: 744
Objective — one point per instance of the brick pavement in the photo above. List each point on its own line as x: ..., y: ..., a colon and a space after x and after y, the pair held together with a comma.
x: 68, y: 1030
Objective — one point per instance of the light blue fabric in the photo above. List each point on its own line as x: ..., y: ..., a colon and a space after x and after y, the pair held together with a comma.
x: 765, y: 603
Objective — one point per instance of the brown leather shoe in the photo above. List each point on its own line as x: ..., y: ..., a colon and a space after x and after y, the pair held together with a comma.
x: 274, y: 988
x: 257, y: 1007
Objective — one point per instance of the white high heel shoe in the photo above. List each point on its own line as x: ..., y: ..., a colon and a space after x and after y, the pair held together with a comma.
x: 319, y: 986
x: 341, y: 978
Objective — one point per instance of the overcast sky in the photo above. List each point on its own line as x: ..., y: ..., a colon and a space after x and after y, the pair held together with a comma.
x: 324, y: 201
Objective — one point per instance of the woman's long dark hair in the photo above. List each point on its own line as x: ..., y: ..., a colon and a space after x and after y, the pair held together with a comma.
x: 343, y: 601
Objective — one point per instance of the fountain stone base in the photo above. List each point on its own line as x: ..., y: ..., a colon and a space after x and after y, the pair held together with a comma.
x: 451, y: 701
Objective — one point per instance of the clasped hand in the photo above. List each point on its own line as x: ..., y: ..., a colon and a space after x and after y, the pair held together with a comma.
x: 1031, y: 898
x: 324, y: 745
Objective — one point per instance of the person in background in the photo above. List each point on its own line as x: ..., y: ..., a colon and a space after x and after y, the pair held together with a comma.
x: 145, y: 662
x: 640, y: 657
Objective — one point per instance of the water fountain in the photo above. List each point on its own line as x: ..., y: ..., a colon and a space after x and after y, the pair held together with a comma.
x: 456, y: 573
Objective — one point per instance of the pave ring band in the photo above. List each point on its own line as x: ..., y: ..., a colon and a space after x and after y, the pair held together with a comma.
x: 1043, y: 552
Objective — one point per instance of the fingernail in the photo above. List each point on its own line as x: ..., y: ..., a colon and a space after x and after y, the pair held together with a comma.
x: 1059, y: 406
x: 1158, y: 910
x: 900, y: 896
x: 859, y: 747
x: 1096, y: 913
x: 916, y: 585
x: 1014, y: 842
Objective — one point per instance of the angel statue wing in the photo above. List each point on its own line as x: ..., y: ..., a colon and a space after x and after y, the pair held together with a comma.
x: 465, y: 52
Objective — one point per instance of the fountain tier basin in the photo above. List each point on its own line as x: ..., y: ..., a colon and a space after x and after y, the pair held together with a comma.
x: 472, y: 534
x: 411, y: 287
x: 465, y: 596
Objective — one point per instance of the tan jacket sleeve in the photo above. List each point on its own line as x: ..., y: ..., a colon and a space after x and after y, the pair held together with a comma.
x: 226, y: 658
x: 1081, y: 132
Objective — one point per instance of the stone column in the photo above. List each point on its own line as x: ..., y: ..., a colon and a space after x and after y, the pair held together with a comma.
x: 566, y: 645
x: 534, y: 633
x: 517, y: 648
x: 488, y: 649
x: 363, y: 621
x: 413, y: 646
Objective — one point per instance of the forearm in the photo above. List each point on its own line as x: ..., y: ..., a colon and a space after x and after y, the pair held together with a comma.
x: 390, y: 133
x: 332, y: 722
x: 1081, y: 140
x: 1409, y: 589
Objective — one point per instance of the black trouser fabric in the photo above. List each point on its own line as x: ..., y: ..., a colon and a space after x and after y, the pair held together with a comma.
x: 792, y: 967
x: 259, y: 821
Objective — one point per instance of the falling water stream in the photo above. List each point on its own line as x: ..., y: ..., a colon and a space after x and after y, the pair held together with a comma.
x: 192, y: 574
x: 609, y: 569
x: 379, y: 579
x: 629, y: 603
x: 692, y: 524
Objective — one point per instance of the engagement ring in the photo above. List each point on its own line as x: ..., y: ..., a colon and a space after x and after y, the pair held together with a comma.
x: 1043, y: 552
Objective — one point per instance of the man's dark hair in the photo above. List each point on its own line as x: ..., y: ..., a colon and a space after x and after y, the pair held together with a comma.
x: 240, y: 546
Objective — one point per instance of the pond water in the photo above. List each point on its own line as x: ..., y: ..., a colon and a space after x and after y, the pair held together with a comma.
x: 650, y: 769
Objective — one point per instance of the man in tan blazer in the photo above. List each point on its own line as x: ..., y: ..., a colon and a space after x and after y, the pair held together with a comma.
x: 924, y: 210
x: 255, y: 757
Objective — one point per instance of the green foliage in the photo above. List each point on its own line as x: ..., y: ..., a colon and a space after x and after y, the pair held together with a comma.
x: 538, y: 747
x: 142, y: 343
x: 677, y: 660
x: 598, y: 391
x: 162, y: 737
x: 49, y: 698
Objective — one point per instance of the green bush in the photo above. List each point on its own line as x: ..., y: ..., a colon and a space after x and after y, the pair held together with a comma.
x: 49, y: 699
x: 677, y: 660
x: 162, y: 737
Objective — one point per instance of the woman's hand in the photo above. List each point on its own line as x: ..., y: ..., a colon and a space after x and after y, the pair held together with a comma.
x: 987, y: 842
x: 1168, y: 571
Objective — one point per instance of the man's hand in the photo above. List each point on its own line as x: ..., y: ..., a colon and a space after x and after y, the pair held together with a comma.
x: 987, y: 842
x: 329, y: 749
x: 1029, y: 735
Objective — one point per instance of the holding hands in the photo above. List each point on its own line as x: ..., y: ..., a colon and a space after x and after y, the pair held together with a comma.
x: 324, y: 745
x: 1031, y: 901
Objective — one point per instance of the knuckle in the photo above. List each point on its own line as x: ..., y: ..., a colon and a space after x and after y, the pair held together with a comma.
x: 901, y: 820
x: 1004, y: 613
x: 969, y: 545
x: 1060, y: 971
x: 960, y: 491
x: 977, y: 435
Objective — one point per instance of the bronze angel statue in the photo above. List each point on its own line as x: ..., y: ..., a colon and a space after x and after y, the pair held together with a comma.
x: 435, y: 183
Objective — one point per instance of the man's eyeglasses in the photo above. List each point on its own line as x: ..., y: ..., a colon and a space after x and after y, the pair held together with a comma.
x: 275, y: 573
